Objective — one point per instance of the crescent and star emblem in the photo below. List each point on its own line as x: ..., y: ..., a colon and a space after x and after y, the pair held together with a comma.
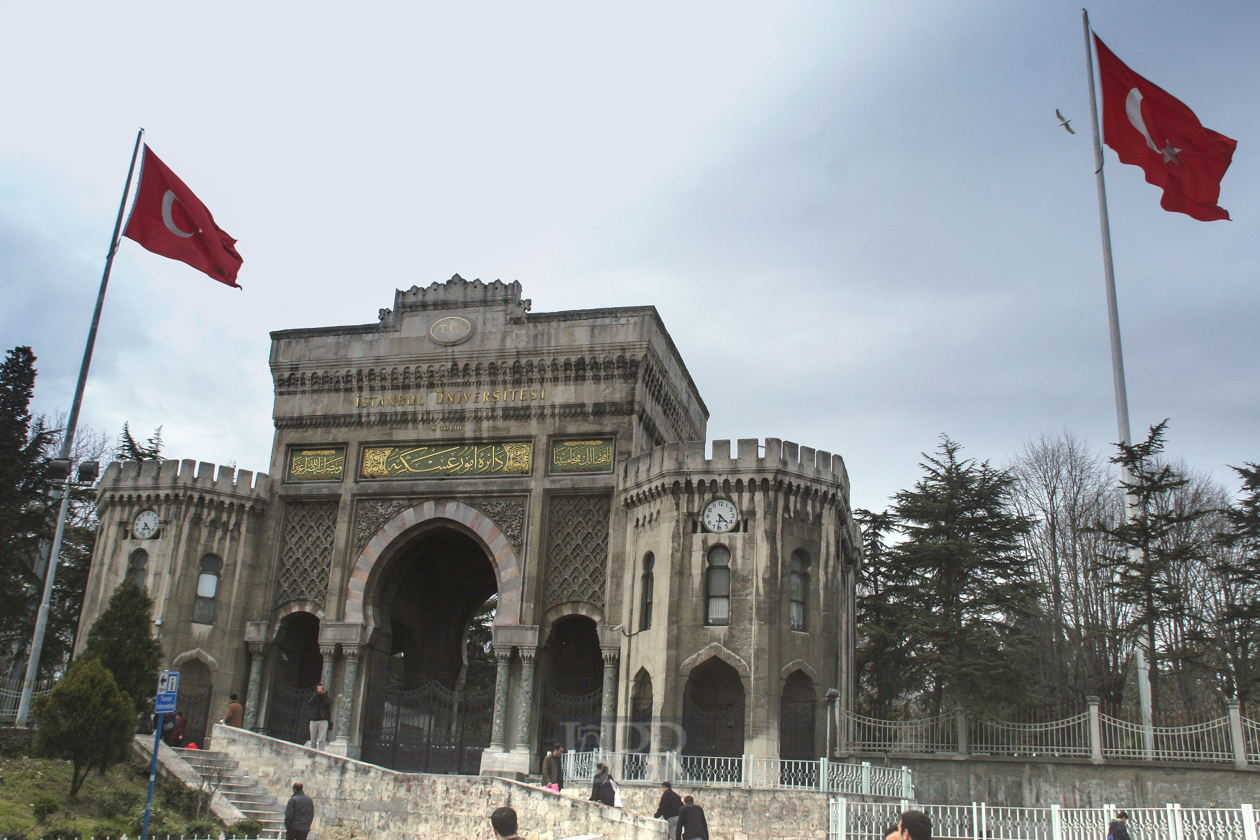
x: 169, y: 199
x: 1133, y: 108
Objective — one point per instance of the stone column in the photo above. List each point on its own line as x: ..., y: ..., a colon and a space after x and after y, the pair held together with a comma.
x: 608, y: 708
x: 525, y: 710
x: 345, y: 702
x: 503, y: 661
x: 1236, y: 735
x: 329, y: 652
x: 1095, y: 730
x: 253, y: 695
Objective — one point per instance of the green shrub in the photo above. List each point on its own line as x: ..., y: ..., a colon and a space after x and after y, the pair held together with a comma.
x: 161, y: 823
x: 246, y: 828
x: 85, y: 719
x: 203, y: 829
x: 179, y: 797
x: 61, y: 830
x: 117, y: 802
x: 44, y: 807
x: 13, y: 831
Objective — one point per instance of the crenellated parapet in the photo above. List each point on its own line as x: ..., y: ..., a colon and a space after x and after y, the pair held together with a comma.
x: 128, y: 483
x: 457, y: 293
x: 751, y: 455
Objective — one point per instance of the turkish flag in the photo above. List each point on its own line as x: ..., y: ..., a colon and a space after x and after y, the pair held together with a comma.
x: 1152, y: 129
x: 168, y: 219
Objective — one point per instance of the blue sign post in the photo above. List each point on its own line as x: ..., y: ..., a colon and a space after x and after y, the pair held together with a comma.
x: 163, y: 704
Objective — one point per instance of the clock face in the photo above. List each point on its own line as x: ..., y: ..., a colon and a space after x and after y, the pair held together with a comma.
x: 145, y: 524
x: 720, y: 515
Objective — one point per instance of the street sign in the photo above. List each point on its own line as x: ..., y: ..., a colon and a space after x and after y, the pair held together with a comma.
x: 167, y: 693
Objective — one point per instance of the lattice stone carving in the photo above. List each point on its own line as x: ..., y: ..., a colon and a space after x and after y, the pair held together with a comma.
x: 370, y: 516
x: 307, y: 554
x: 508, y: 514
x: 577, y: 549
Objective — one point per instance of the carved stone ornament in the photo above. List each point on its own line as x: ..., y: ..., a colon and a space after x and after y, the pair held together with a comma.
x: 577, y: 549
x: 507, y: 513
x: 307, y: 554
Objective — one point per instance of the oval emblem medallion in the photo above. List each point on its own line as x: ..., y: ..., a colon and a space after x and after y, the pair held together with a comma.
x: 451, y: 330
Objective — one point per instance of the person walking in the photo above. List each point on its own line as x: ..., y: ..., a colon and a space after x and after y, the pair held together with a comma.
x: 602, y: 789
x: 671, y: 804
x: 691, y: 822
x: 235, y: 715
x: 503, y: 821
x: 553, y: 769
x: 1118, y: 829
x: 176, y: 736
x: 298, y: 814
x: 321, y: 712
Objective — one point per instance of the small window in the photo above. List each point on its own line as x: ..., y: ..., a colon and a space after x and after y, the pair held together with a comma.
x: 718, y: 586
x: 648, y: 581
x: 207, y: 589
x: 138, y: 567
x: 799, y: 585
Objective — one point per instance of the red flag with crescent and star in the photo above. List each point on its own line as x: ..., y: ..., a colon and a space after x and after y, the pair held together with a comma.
x: 168, y: 219
x: 1150, y: 128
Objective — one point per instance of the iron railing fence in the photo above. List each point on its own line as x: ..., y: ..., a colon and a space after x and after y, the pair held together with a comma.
x: 748, y: 771
x: 849, y: 820
x: 1208, y: 742
x: 930, y: 735
x: 1063, y: 738
x: 11, y: 696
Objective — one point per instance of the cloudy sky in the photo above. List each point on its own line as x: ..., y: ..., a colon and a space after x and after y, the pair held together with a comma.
x: 860, y: 221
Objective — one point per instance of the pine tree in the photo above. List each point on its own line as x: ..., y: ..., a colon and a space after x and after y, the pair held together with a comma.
x: 25, y: 517
x: 122, y: 639
x: 1151, y: 542
x: 1236, y: 637
x: 130, y: 449
x: 85, y: 719
x: 886, y: 670
x: 963, y: 584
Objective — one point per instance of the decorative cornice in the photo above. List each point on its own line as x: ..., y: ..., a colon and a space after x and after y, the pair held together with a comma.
x: 407, y: 419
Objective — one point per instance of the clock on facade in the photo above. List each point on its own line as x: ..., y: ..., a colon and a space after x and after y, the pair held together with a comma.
x: 145, y: 525
x: 720, y: 515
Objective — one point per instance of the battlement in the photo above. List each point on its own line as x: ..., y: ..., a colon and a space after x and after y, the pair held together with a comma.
x: 124, y: 476
x: 458, y: 293
x: 750, y: 455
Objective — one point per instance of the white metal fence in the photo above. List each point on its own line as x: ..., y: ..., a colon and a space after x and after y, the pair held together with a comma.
x: 872, y: 820
x: 1091, y: 734
x: 11, y: 694
x: 744, y: 771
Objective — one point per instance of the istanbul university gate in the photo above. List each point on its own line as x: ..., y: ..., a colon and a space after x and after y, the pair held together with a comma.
x: 468, y: 476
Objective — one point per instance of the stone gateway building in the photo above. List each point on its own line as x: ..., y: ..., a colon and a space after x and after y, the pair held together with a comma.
x: 465, y: 455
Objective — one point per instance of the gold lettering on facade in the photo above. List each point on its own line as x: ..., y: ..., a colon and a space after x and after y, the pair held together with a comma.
x: 317, y: 464
x: 451, y: 398
x: 439, y: 461
x: 582, y: 456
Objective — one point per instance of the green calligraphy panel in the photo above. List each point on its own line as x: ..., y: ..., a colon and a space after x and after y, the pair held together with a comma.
x: 441, y: 461
x: 584, y: 456
x: 326, y: 463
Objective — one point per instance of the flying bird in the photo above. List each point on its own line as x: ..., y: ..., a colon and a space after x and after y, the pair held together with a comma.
x: 1063, y: 121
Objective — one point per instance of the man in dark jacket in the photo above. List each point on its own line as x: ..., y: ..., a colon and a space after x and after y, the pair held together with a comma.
x: 1118, y: 829
x: 553, y: 768
x: 298, y: 814
x: 691, y: 822
x: 321, y: 712
x: 671, y: 804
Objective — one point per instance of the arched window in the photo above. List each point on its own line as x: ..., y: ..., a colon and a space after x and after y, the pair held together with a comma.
x: 138, y: 566
x: 645, y: 612
x: 799, y: 589
x: 207, y: 589
x: 717, y: 586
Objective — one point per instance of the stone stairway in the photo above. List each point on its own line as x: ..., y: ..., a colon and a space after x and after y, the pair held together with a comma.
x: 237, y: 787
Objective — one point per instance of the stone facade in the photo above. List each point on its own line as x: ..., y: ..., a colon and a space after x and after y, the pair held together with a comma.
x: 653, y: 593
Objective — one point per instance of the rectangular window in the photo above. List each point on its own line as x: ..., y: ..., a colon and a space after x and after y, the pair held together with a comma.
x: 797, y: 616
x: 203, y: 610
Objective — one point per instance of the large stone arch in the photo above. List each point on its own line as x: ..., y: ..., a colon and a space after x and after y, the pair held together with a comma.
x: 715, y: 650
x: 284, y: 610
x: 507, y: 569
x: 568, y: 608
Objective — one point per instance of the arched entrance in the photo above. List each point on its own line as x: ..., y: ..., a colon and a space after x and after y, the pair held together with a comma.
x: 572, y: 685
x: 295, y: 673
x: 796, y: 718
x: 430, y: 681
x: 196, y: 686
x: 639, y: 733
x: 713, y: 720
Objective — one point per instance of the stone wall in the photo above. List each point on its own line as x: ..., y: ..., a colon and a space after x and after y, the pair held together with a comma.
x: 741, y: 814
x: 353, y: 799
x: 1077, y: 785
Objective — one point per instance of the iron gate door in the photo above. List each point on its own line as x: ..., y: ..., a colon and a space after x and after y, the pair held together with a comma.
x: 430, y: 729
x: 289, y: 713
x: 570, y: 719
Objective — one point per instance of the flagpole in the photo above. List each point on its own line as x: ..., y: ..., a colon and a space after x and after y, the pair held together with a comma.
x: 1117, y: 361
x: 67, y: 445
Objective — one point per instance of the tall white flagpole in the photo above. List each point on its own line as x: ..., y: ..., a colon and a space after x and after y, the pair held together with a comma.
x: 1117, y: 365
x: 67, y: 446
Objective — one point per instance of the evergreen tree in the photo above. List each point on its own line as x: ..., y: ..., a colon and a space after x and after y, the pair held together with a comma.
x: 886, y: 670
x: 478, y: 653
x: 1236, y: 636
x: 85, y: 719
x: 1152, y: 543
x: 122, y: 639
x: 130, y: 449
x: 962, y: 583
x: 25, y: 517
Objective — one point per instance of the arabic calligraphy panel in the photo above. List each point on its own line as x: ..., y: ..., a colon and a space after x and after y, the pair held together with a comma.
x: 326, y: 463
x: 442, y: 461
x: 582, y: 456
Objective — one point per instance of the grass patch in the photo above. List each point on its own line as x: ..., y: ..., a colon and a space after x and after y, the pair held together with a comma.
x: 107, y: 806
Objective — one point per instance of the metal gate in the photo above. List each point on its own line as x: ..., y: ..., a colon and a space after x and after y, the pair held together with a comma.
x: 289, y: 713
x: 570, y: 719
x: 194, y: 702
x: 717, y: 731
x: 796, y: 730
x: 430, y: 729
